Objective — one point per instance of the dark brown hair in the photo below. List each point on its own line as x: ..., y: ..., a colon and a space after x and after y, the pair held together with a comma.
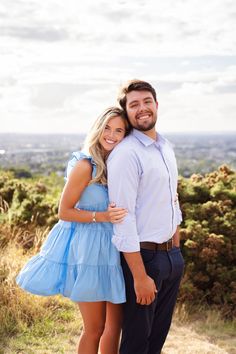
x: 134, y: 85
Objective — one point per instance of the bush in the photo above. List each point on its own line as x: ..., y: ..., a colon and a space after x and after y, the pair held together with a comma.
x: 28, y: 208
x: 29, y: 201
x: 208, y: 239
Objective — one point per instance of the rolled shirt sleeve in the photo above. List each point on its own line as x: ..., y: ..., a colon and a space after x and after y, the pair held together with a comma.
x: 123, y: 180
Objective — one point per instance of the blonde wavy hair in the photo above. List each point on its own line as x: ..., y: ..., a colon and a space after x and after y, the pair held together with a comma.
x: 93, y: 147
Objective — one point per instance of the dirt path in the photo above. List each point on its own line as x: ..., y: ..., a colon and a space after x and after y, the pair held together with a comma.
x: 181, y: 340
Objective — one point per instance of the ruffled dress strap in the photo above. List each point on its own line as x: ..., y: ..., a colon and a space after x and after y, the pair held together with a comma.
x: 77, y: 156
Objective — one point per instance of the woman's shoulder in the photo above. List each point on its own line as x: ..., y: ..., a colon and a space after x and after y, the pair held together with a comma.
x: 76, y: 157
x: 81, y: 155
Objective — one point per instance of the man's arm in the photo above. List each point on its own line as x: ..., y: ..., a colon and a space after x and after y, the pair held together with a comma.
x: 144, y: 286
x: 123, y: 182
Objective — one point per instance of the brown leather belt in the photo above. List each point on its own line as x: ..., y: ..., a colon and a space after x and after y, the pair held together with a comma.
x: 165, y: 246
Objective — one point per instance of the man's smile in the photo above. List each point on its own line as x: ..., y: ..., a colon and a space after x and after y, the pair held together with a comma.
x: 143, y: 116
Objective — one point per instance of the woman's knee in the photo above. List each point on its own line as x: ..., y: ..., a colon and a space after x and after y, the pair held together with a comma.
x: 95, y: 331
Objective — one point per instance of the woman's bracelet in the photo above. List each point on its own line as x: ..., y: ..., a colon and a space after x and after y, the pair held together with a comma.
x: 94, y: 216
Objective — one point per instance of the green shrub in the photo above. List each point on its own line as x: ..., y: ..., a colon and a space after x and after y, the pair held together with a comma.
x: 29, y: 201
x: 208, y: 239
x: 28, y: 208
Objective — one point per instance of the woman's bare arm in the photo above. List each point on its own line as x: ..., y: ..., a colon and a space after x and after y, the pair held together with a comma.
x: 78, y: 180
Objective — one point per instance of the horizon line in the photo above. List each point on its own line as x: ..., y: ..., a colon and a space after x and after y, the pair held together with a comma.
x: 231, y: 132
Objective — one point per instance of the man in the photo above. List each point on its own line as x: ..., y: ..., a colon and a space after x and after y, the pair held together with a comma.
x: 142, y: 177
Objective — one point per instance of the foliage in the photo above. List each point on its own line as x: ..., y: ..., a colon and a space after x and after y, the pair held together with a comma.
x: 21, y: 172
x: 28, y: 208
x: 34, y: 317
x: 29, y: 201
x: 208, y: 238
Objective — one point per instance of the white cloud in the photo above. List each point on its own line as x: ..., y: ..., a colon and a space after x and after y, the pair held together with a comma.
x: 63, y: 61
x: 195, y: 108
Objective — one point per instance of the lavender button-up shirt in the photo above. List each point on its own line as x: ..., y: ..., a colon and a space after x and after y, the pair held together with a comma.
x: 142, y: 177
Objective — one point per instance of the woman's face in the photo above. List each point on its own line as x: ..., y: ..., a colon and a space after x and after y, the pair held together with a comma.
x: 113, y: 133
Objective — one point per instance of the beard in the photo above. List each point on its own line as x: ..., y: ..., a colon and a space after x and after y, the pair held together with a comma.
x: 145, y: 126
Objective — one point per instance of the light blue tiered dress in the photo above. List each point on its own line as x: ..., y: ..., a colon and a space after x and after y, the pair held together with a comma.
x: 78, y: 260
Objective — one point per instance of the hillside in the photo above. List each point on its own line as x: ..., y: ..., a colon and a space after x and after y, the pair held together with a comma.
x: 29, y: 324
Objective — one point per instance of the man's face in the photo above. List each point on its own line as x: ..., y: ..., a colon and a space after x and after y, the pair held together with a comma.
x: 141, y: 110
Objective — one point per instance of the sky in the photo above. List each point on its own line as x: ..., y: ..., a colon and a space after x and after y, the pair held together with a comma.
x: 62, y: 62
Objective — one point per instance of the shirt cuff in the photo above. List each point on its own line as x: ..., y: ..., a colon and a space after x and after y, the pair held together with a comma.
x: 125, y: 245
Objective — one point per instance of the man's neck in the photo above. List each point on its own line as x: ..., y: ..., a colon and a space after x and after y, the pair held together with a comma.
x: 151, y: 133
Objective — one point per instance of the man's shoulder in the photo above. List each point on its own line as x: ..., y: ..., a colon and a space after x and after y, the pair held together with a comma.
x: 126, y: 147
x: 127, y: 143
x: 166, y: 142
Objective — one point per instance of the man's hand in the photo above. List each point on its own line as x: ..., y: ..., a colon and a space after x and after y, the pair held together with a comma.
x: 176, y: 238
x: 145, y: 290
x: 144, y: 286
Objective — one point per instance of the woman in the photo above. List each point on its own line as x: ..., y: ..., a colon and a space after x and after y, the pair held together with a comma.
x: 78, y: 259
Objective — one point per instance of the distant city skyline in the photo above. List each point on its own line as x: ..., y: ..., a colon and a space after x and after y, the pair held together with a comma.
x: 61, y: 63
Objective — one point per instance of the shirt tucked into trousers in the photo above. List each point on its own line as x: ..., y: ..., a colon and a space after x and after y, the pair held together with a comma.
x: 142, y: 177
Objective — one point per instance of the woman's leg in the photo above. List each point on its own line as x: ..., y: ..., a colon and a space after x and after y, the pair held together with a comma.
x: 109, y: 343
x: 94, y: 316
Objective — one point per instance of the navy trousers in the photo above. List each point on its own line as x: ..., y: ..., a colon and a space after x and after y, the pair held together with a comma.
x: 145, y: 327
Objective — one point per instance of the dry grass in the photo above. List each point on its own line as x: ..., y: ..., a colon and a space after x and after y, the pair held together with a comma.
x: 206, y: 325
x: 32, y: 324
x: 28, y: 320
x: 30, y: 238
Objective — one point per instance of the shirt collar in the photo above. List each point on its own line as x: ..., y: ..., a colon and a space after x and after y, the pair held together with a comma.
x: 146, y: 141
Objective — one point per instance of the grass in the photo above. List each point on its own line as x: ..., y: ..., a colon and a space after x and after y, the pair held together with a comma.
x: 56, y: 321
x: 50, y: 335
x: 220, y: 331
x: 209, y: 323
x: 58, y: 333
x: 32, y: 324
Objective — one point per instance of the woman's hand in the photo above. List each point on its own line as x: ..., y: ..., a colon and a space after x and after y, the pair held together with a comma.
x: 116, y: 215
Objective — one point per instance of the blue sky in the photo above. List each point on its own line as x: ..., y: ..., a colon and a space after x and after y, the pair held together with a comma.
x: 61, y: 63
